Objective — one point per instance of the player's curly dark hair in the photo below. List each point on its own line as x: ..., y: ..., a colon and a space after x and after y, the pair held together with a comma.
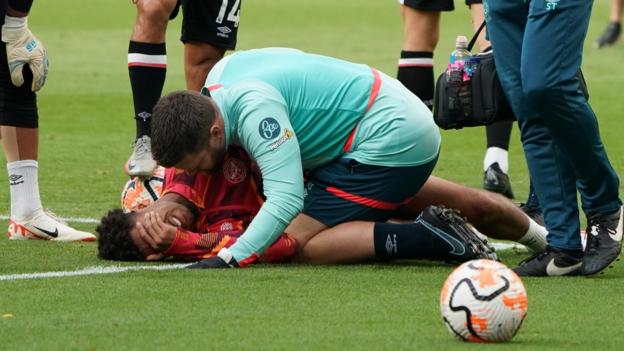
x: 114, y: 241
x: 180, y: 125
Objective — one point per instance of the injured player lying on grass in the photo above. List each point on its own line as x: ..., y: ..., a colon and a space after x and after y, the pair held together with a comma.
x: 199, y: 214
x: 194, y: 217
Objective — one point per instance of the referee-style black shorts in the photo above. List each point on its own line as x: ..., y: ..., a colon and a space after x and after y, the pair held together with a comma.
x: 210, y: 21
x: 435, y: 5
x: 345, y: 190
x: 18, y: 106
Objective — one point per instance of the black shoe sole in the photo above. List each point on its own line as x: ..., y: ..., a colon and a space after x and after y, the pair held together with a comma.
x: 602, y: 271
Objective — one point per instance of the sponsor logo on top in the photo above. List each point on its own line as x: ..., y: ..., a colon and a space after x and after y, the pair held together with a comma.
x: 287, y: 135
x: 269, y: 128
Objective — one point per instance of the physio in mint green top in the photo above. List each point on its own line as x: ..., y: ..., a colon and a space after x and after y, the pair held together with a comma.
x: 295, y: 112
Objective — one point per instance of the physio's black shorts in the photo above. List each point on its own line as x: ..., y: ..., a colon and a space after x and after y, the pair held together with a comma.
x: 210, y: 21
x: 345, y: 190
x: 435, y: 5
x: 18, y: 106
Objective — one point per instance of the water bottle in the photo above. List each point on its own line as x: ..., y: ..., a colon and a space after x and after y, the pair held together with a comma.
x: 458, y: 68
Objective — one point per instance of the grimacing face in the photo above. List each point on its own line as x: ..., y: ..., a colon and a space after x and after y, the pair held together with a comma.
x: 171, y: 210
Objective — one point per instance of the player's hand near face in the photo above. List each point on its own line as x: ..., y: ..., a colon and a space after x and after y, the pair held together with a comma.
x: 156, y: 232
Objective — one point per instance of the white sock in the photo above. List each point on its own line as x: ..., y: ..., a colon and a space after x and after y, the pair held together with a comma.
x: 496, y: 154
x: 535, y: 237
x: 24, y: 186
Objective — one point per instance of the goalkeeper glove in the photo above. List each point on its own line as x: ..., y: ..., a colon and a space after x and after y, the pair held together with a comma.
x: 24, y: 48
x: 223, y: 259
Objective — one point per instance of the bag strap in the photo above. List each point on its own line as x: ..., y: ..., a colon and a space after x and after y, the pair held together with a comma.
x: 475, y: 36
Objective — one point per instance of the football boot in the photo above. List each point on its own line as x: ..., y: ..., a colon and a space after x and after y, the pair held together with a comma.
x: 463, y: 242
x: 495, y: 180
x: 141, y: 163
x: 604, y: 241
x: 610, y: 35
x: 45, y: 226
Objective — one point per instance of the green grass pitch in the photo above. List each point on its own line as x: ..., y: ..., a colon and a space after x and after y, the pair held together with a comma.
x: 86, y: 132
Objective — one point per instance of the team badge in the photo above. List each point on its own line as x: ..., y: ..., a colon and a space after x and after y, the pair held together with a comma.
x: 234, y: 170
x: 269, y: 128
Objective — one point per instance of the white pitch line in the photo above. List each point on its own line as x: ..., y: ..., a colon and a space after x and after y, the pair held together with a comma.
x: 66, y: 219
x: 120, y: 269
x: 91, y: 271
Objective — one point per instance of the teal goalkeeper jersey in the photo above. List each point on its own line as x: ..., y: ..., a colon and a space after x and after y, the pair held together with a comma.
x: 293, y: 111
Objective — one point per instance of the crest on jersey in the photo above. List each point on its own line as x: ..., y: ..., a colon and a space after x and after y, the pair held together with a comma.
x: 234, y: 170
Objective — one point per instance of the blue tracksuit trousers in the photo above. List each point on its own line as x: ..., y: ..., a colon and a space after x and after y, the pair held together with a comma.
x: 538, y: 46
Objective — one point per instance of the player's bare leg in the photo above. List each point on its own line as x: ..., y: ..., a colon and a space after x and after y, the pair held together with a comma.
x: 476, y: 14
x: 427, y: 237
x: 28, y: 220
x: 199, y: 58
x: 345, y: 243
x: 421, y: 29
x: 421, y: 32
x: 492, y: 214
x: 147, y: 67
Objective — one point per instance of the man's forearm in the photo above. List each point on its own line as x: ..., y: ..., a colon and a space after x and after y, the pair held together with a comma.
x: 190, y: 246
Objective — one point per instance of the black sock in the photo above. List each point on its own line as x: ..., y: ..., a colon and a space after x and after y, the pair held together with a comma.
x: 411, y: 240
x: 416, y: 73
x: 147, y: 67
x: 498, y: 134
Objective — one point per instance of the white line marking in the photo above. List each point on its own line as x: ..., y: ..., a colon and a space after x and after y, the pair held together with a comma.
x: 66, y: 219
x: 121, y: 269
x: 91, y: 271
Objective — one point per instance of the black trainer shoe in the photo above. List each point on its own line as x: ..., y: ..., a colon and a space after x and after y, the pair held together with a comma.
x: 450, y: 227
x: 495, y: 180
x: 551, y: 262
x: 604, y: 241
x: 610, y: 35
x: 535, y: 213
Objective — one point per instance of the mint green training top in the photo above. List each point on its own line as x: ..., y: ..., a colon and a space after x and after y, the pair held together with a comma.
x: 293, y: 111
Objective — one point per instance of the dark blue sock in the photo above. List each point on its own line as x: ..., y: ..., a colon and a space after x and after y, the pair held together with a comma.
x: 413, y: 240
